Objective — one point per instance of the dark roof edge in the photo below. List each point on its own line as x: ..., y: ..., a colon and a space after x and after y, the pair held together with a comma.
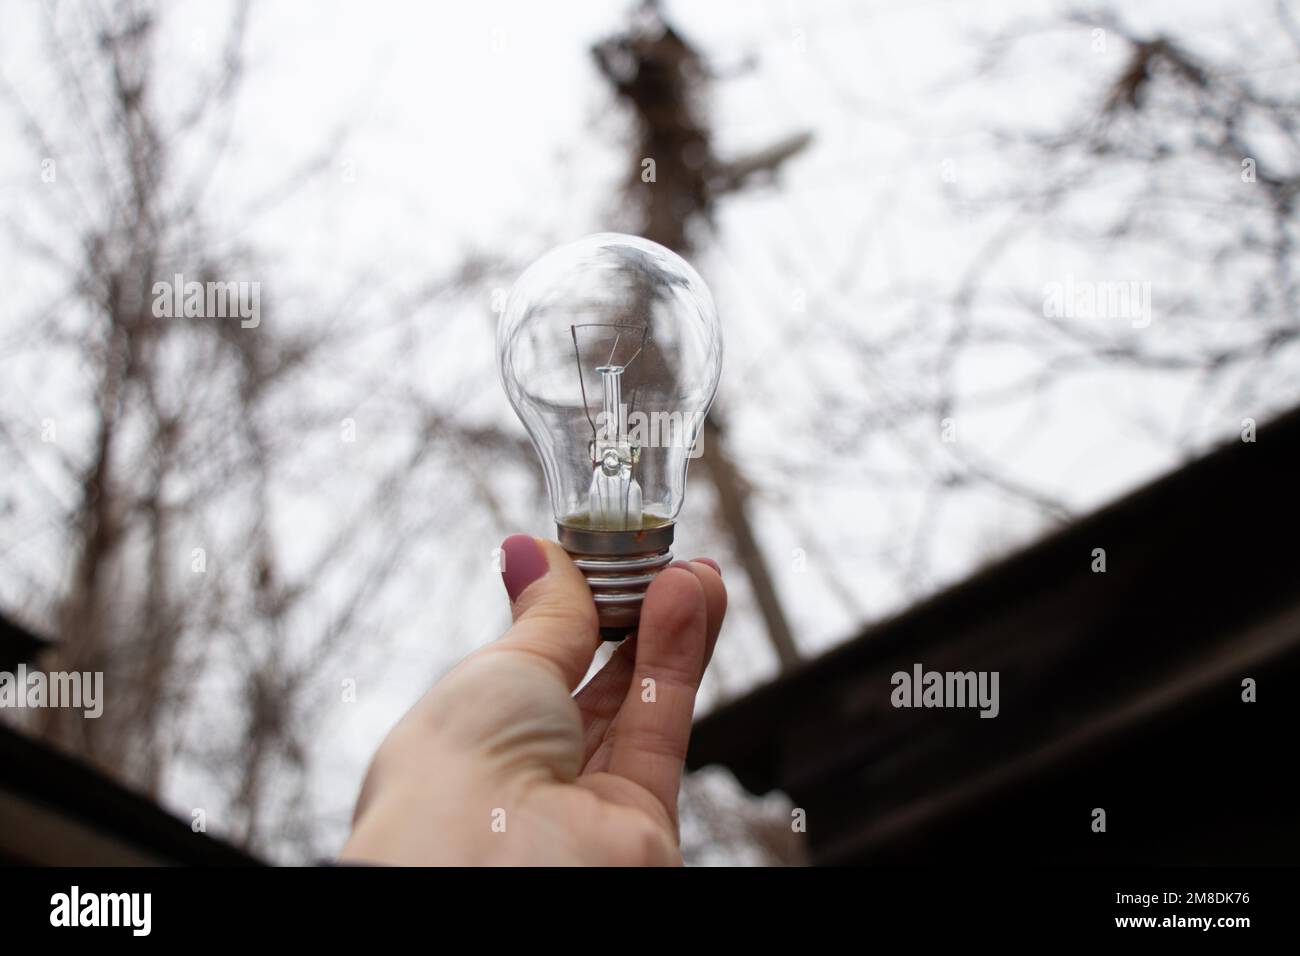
x: 77, y: 791
x: 749, y: 716
x: 18, y: 644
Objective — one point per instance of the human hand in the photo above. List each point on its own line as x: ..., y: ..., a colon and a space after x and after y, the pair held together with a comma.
x: 500, y: 763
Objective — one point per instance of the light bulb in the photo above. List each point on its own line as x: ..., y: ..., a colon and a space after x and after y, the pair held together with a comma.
x: 610, y: 352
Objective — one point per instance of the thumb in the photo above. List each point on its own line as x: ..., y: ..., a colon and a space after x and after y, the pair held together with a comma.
x: 554, y: 615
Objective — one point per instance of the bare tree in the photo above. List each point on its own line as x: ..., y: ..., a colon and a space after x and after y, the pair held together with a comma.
x: 663, y: 80
x: 214, y: 644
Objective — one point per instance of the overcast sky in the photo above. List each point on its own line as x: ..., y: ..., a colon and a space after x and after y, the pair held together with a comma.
x: 452, y: 129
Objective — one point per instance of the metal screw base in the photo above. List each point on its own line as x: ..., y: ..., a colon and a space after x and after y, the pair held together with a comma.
x: 618, y: 566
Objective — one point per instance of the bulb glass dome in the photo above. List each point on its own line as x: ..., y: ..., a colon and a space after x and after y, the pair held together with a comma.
x: 610, y: 352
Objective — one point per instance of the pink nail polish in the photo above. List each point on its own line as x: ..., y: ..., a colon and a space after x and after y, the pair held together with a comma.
x: 522, y: 563
x: 711, y: 563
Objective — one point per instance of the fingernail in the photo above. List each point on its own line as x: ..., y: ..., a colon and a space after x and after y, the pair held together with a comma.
x: 711, y: 563
x: 522, y: 563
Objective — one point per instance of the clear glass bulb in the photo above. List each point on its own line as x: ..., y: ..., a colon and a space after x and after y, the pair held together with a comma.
x: 610, y: 352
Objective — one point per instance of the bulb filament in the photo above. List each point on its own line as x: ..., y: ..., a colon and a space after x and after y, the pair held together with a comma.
x: 614, y: 498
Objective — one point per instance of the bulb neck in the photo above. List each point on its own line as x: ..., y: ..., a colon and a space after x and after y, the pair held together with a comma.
x: 618, y: 566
